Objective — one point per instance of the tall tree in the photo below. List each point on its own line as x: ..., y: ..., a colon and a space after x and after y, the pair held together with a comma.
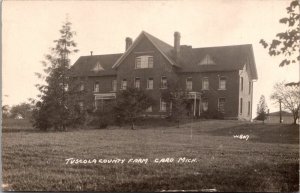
x: 289, y: 94
x: 52, y: 109
x: 131, y: 103
x: 287, y: 43
x: 262, y: 109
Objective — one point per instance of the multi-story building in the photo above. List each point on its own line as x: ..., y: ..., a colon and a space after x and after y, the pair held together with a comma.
x: 217, y: 78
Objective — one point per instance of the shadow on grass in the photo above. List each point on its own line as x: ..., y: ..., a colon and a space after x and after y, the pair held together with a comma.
x: 260, y: 177
x: 265, y: 133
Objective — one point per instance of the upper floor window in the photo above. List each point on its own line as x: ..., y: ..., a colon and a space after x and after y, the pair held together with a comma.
x: 221, y: 105
x: 150, y: 83
x: 163, y: 82
x: 114, y: 85
x: 222, y: 83
x: 205, y: 84
x: 137, y: 82
x: 189, y: 83
x: 242, y: 83
x: 144, y: 62
x: 96, y: 87
x: 124, y: 84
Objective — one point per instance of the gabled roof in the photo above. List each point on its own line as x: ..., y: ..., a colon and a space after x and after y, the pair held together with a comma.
x: 85, y: 65
x: 226, y: 58
x: 164, y: 48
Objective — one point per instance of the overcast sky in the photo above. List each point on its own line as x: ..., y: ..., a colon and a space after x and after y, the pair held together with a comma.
x: 29, y: 28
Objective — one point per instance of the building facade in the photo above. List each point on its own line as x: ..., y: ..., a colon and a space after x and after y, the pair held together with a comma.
x: 218, y: 79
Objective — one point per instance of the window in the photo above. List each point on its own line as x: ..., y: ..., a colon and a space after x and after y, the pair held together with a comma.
x: 189, y: 83
x: 242, y: 83
x: 144, y: 62
x: 222, y: 83
x: 221, y: 105
x: 163, y: 82
x: 249, y: 107
x: 96, y: 87
x: 80, y: 104
x: 81, y: 87
x: 204, y: 105
x: 137, y: 82
x: 249, y: 87
x: 124, y: 84
x: 205, y: 84
x: 163, y: 106
x: 114, y: 85
x: 241, y: 105
x: 149, y: 109
x: 150, y: 83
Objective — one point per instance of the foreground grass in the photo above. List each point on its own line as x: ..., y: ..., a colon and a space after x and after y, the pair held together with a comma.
x: 267, y: 161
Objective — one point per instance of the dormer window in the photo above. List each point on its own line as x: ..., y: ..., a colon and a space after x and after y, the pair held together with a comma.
x: 189, y: 83
x: 144, y: 62
x: 98, y: 67
x: 207, y: 60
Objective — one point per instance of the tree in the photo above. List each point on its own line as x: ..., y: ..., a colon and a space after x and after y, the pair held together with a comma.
x: 52, y: 108
x: 23, y: 109
x: 289, y: 94
x: 262, y: 109
x: 287, y: 43
x: 5, y: 111
x: 130, y: 104
x: 178, y: 99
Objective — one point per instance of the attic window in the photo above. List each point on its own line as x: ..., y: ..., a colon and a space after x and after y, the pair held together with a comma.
x: 98, y: 67
x: 207, y: 60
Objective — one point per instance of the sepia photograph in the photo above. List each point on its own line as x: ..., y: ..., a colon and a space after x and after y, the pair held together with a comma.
x: 150, y: 96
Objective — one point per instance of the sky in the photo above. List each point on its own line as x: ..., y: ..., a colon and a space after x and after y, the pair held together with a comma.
x: 29, y: 28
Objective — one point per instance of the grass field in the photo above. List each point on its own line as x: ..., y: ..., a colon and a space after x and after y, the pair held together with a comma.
x: 267, y: 161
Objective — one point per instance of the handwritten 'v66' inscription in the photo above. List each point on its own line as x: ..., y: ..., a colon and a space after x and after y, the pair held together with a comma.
x: 246, y: 137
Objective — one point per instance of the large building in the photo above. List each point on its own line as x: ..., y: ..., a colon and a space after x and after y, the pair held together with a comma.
x: 218, y: 79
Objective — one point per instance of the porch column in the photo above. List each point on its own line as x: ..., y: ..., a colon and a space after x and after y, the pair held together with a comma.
x: 195, y: 104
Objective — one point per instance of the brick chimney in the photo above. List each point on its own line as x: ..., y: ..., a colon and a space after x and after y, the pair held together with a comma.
x: 177, y: 43
x: 128, y: 43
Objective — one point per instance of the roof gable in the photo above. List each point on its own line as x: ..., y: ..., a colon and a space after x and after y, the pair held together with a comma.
x: 164, y: 48
x: 223, y: 58
x: 96, y: 65
x: 207, y: 60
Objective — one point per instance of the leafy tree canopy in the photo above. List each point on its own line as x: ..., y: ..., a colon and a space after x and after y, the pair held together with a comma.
x: 287, y: 43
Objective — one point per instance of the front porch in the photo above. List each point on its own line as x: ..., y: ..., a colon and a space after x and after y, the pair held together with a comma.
x: 196, y: 104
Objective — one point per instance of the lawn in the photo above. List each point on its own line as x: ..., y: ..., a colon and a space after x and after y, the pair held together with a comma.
x: 267, y: 161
